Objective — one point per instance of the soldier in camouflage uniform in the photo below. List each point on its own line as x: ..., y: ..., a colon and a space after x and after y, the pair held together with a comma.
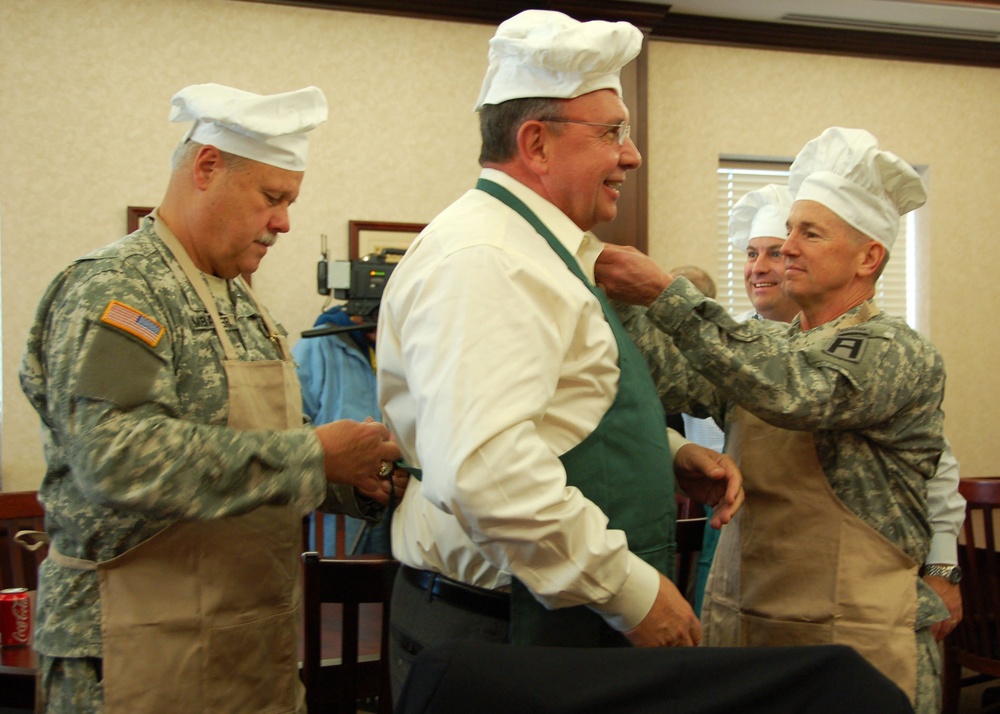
x: 179, y: 465
x: 835, y: 421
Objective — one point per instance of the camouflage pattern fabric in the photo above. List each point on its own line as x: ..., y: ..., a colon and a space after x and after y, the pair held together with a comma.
x: 870, y: 392
x: 929, y: 696
x: 69, y: 685
x: 125, y: 369
x: 866, y: 385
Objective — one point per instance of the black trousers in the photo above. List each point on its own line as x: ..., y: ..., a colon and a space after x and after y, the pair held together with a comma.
x: 488, y: 678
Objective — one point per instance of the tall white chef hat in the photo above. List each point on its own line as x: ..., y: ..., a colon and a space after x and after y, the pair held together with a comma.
x: 761, y: 213
x: 267, y: 128
x: 844, y: 170
x: 543, y: 53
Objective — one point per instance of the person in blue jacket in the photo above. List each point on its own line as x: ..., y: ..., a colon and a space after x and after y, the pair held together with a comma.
x: 337, y: 372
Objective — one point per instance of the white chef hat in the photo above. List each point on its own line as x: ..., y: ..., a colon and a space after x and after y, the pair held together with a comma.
x: 267, y: 128
x: 543, y: 53
x: 761, y: 213
x: 844, y: 170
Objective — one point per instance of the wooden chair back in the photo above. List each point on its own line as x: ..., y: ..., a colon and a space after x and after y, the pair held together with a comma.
x: 686, y: 508
x: 336, y: 685
x: 690, y: 532
x: 19, y: 511
x: 315, y: 534
x: 975, y: 642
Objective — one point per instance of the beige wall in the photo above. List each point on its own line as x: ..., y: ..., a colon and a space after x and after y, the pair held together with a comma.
x: 84, y: 92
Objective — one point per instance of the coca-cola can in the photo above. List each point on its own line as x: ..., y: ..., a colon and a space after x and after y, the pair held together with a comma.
x: 15, y: 617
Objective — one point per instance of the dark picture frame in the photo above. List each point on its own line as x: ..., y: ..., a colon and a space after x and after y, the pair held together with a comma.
x: 134, y: 216
x: 367, y: 237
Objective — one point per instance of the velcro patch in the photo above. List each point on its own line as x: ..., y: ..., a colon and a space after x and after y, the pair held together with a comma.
x: 849, y: 346
x: 120, y: 315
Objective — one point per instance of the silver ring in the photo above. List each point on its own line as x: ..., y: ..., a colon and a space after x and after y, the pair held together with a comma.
x: 385, y: 469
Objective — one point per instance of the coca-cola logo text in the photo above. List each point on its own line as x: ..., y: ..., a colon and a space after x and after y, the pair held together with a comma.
x: 19, y: 608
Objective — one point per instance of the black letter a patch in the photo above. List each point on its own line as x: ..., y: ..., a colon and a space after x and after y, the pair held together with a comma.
x: 849, y: 346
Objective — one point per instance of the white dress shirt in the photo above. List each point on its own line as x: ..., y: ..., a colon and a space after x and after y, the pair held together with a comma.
x: 494, y: 359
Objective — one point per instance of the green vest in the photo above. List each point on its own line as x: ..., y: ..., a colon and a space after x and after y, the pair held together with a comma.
x: 624, y: 467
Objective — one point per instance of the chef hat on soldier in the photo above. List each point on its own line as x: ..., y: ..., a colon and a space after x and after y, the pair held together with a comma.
x: 543, y: 53
x: 761, y: 213
x: 268, y: 128
x: 844, y: 170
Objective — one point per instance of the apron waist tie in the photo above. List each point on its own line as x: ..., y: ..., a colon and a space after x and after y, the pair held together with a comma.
x: 69, y: 562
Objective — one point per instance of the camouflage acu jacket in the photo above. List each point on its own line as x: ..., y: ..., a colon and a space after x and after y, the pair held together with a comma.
x: 867, y: 385
x: 125, y: 370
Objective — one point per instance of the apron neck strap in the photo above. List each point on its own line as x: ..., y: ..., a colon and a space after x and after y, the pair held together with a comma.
x: 272, y: 328
x: 504, y: 196
x: 197, y: 281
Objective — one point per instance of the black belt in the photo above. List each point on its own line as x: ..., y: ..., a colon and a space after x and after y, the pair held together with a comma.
x: 479, y: 600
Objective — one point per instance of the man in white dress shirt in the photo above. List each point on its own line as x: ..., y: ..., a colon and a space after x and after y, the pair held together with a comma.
x: 545, y: 510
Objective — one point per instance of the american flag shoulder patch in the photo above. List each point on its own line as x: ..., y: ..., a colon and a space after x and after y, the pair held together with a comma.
x: 118, y: 314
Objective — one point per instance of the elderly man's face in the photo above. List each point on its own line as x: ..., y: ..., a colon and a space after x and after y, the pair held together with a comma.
x: 249, y: 208
x: 587, y: 165
x: 823, y: 255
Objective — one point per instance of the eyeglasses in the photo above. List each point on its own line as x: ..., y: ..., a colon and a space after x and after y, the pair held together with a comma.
x: 622, y: 129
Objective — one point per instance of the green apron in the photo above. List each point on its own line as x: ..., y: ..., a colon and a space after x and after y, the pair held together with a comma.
x: 624, y: 467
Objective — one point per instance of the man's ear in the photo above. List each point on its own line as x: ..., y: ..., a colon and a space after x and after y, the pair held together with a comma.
x: 874, y: 255
x: 533, y: 146
x: 207, y: 165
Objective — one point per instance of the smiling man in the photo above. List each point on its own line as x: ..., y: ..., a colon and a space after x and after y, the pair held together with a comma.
x: 835, y: 421
x: 545, y: 513
x: 179, y: 466
x: 757, y: 228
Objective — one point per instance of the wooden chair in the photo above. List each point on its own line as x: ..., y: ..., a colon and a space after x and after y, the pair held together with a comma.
x: 975, y: 643
x: 690, y: 532
x: 315, y: 535
x: 19, y: 510
x: 316, y: 528
x: 336, y: 685
x: 686, y: 508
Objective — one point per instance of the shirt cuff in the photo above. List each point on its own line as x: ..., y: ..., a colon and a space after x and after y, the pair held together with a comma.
x: 944, y: 550
x: 677, y: 440
x: 633, y: 602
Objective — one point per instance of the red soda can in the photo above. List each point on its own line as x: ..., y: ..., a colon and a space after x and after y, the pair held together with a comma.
x: 15, y: 617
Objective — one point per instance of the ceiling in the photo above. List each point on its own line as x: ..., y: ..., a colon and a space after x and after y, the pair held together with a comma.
x: 965, y: 32
x: 977, y: 21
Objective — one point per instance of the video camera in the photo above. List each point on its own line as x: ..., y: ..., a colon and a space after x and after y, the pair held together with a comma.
x: 360, y: 282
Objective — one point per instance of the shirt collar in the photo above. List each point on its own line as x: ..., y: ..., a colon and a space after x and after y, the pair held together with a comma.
x: 567, y: 232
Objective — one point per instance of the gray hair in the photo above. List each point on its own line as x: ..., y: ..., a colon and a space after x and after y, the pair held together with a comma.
x: 185, y: 152
x: 499, y: 124
x: 861, y: 239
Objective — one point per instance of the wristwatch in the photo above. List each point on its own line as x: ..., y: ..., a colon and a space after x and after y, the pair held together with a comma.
x: 951, y: 573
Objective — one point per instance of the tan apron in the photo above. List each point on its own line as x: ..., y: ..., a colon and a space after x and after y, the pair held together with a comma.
x: 797, y: 567
x: 204, y: 616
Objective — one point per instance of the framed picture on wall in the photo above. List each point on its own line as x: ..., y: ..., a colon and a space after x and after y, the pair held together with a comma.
x: 374, y: 236
x: 136, y: 214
